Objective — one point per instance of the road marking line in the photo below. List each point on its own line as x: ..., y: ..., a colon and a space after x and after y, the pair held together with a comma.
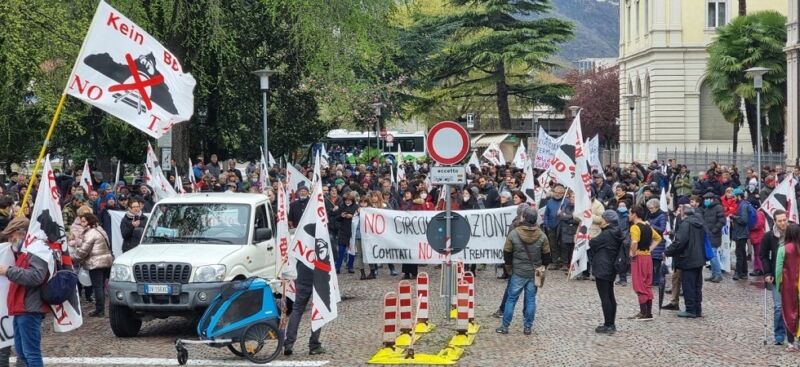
x: 111, y: 361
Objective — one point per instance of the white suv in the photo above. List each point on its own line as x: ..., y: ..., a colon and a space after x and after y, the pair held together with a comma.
x: 191, y: 246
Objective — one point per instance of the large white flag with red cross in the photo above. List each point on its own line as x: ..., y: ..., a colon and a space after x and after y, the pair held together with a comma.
x: 124, y: 71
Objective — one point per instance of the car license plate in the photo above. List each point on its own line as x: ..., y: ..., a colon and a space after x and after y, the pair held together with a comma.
x: 157, y: 289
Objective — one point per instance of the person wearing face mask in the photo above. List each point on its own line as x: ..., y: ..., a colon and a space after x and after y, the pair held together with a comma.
x: 468, y: 201
x: 714, y: 219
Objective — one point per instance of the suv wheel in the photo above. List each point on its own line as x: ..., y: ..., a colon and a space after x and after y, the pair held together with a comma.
x: 124, y: 323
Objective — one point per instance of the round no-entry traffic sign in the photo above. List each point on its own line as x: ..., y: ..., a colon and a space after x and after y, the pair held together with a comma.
x: 448, y: 143
x: 389, y: 138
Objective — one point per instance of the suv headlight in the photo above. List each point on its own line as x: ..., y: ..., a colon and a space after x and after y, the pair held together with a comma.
x: 121, y: 273
x: 209, y: 273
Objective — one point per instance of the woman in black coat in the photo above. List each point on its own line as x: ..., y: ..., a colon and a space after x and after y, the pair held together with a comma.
x: 344, y: 219
x: 604, y: 252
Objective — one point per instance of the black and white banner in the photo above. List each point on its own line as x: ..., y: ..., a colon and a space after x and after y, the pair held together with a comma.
x: 399, y: 237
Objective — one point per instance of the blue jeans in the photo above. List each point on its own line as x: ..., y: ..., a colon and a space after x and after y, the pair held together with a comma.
x: 28, y: 338
x: 515, y: 287
x: 716, y: 268
x: 777, y: 319
x: 344, y: 255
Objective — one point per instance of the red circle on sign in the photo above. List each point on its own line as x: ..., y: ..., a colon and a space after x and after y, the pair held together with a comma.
x: 444, y: 152
x: 389, y: 138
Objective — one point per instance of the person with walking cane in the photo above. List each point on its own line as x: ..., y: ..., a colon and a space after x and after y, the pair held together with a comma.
x: 774, y: 240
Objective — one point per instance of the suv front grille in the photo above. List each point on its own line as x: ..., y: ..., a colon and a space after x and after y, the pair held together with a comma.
x: 162, y: 272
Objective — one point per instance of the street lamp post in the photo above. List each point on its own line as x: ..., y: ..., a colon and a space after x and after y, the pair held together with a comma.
x: 263, y: 76
x: 758, y: 83
x: 377, y: 106
x: 631, y: 98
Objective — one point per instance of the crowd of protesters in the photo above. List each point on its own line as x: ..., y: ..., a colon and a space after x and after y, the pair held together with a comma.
x: 627, y: 222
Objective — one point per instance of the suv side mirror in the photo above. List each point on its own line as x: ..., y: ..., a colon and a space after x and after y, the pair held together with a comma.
x: 262, y: 234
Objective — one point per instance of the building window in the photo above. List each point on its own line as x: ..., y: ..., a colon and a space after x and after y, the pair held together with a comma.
x: 713, y: 125
x: 646, y: 16
x: 628, y: 24
x: 636, y: 31
x: 716, y: 13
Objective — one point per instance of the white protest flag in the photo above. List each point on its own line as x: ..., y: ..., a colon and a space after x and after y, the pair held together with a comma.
x: 391, y: 175
x: 263, y: 178
x: 6, y: 259
x: 545, y: 149
x: 293, y: 179
x: 473, y: 160
x: 124, y: 71
x: 272, y: 161
x: 313, y: 253
x: 179, y: 185
x: 572, y: 167
x: 401, y: 172
x: 663, y: 204
x: 286, y: 266
x: 494, y: 155
x: 45, y: 234
x: 783, y: 198
x: 86, y: 178
x: 315, y: 176
x: 151, y: 161
x: 324, y: 154
x: 521, y: 156
x: 161, y: 187
x: 116, y: 177
x: 192, y: 179
x: 528, y: 185
x: 593, y: 145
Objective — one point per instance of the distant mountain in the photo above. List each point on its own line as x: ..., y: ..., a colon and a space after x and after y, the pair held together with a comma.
x: 596, y: 27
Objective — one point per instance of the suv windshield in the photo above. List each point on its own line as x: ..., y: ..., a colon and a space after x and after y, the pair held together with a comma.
x: 198, y: 223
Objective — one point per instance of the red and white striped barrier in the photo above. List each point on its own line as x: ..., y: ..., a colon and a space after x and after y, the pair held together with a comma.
x: 462, y: 318
x: 404, y: 298
x: 422, y: 295
x: 462, y: 297
x: 470, y: 280
x: 423, y: 325
x: 389, y: 318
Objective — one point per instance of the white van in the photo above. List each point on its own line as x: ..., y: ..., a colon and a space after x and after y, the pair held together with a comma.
x: 191, y: 246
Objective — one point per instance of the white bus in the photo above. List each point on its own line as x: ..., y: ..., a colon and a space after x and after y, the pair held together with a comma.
x: 354, y: 142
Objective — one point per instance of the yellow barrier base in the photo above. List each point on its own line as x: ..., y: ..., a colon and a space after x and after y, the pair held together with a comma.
x: 461, y: 340
x: 472, y: 328
x: 400, y: 356
x: 453, y: 313
x: 451, y: 353
x: 386, y: 355
x: 404, y: 339
x: 424, y: 327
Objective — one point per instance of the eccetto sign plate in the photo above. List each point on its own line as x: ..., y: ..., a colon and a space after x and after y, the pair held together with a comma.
x: 454, y: 175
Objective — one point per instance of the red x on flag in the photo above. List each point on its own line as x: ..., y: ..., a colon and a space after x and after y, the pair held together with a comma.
x: 138, y: 83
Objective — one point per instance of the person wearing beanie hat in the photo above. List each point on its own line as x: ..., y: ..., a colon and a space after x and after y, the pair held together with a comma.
x: 297, y: 207
x: 525, y: 252
x: 25, y: 303
x: 604, y: 251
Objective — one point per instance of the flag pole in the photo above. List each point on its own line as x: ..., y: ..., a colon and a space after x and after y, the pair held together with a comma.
x: 42, y: 152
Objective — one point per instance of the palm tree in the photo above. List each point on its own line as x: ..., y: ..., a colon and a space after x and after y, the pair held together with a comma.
x: 748, y: 41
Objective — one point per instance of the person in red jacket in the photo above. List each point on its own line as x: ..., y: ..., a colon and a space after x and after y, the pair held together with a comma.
x: 24, y: 295
x: 756, y: 236
x: 729, y: 204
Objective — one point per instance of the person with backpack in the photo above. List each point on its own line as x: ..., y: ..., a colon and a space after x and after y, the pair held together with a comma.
x: 94, y: 253
x: 605, y: 250
x: 688, y: 254
x: 740, y: 233
x: 25, y: 295
x: 525, y: 252
x: 643, y: 240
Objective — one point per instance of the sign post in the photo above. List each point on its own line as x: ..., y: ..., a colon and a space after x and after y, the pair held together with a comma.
x: 448, y: 144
